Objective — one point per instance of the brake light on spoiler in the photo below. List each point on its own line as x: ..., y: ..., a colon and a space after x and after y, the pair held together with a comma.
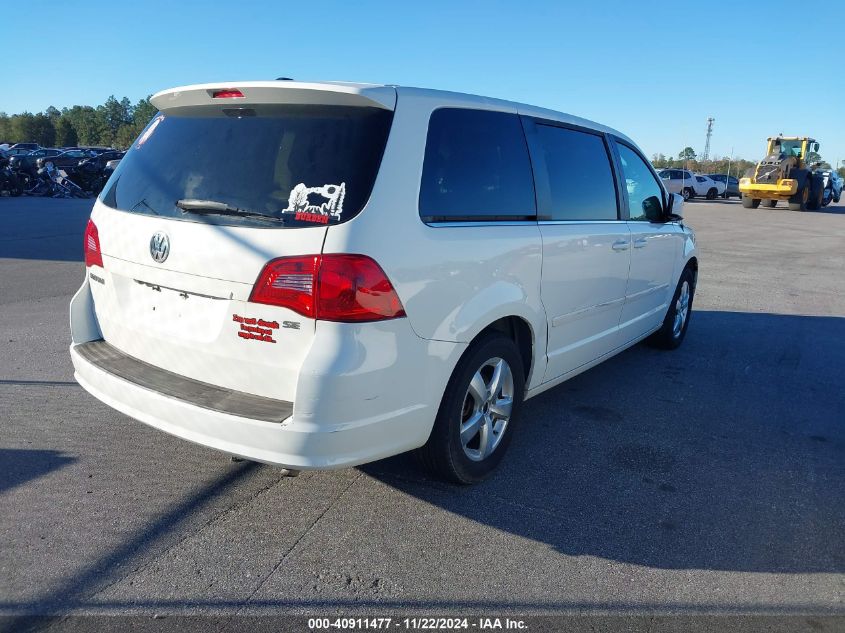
x: 332, y: 287
x: 228, y: 93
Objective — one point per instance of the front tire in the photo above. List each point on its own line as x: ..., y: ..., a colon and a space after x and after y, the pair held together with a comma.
x: 671, y: 334
x: 475, y: 422
x: 770, y: 203
x: 750, y: 203
x: 712, y: 193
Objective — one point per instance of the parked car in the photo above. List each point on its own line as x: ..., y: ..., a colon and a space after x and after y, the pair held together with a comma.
x: 731, y: 183
x: 70, y: 158
x: 707, y: 187
x: 18, y: 151
x: 28, y: 162
x: 690, y: 185
x: 26, y: 146
x: 385, y: 269
x: 832, y: 186
x: 99, y: 161
x: 677, y: 181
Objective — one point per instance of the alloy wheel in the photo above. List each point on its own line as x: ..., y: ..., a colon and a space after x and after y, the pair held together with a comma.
x: 681, y: 310
x: 487, y: 408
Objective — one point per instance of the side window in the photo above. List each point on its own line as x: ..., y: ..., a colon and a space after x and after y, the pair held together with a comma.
x: 677, y: 174
x: 476, y: 167
x: 700, y: 178
x: 645, y: 197
x: 581, y: 183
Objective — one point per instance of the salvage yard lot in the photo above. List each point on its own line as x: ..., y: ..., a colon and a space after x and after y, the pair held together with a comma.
x: 707, y: 479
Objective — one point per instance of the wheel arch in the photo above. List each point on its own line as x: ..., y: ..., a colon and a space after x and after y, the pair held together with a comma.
x: 519, y: 330
x: 692, y: 264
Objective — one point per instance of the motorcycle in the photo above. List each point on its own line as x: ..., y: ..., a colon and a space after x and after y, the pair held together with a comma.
x: 50, y: 181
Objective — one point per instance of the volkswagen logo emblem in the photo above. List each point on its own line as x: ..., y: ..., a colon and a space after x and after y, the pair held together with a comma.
x: 159, y: 246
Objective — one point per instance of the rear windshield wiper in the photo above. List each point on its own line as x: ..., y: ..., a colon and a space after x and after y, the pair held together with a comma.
x: 213, y: 207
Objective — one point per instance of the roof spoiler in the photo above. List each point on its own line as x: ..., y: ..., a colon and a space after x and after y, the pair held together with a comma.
x: 292, y: 92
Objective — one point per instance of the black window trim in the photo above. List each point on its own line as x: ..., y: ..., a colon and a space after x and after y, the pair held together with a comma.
x: 456, y: 221
x: 538, y: 166
x: 616, y: 141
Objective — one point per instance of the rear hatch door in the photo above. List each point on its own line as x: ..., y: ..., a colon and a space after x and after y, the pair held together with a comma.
x: 213, y: 189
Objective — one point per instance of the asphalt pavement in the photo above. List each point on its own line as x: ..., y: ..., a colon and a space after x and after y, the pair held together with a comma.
x: 710, y: 479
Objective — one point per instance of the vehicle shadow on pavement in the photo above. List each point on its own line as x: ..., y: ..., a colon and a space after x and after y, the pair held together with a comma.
x: 18, y: 466
x: 833, y: 209
x: 726, y: 454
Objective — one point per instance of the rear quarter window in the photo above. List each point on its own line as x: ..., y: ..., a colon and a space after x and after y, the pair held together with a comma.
x: 476, y: 168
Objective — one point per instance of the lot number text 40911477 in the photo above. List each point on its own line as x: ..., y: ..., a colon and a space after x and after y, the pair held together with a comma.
x: 423, y: 623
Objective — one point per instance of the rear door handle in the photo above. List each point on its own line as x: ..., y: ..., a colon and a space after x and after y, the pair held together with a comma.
x: 620, y: 245
x: 640, y: 243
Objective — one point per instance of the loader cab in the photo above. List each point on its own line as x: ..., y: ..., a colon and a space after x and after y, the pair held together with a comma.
x: 792, y: 147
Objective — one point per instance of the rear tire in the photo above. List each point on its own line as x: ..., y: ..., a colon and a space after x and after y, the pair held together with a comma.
x: 688, y: 193
x: 827, y: 196
x: 816, y: 197
x: 671, y: 334
x: 750, y: 203
x: 477, y: 415
x: 799, y: 201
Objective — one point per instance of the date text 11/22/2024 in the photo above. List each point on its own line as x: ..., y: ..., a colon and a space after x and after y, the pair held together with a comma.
x: 422, y: 623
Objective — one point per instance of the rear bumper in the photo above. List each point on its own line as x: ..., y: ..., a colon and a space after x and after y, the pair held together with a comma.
x: 364, y: 392
x: 280, y: 443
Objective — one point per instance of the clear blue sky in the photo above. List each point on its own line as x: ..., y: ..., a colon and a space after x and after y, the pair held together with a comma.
x: 654, y: 70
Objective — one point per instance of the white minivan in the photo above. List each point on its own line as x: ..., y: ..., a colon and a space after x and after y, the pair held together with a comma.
x: 319, y: 275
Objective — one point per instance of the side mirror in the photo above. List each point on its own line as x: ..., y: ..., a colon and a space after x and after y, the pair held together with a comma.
x: 676, y: 205
x: 653, y: 209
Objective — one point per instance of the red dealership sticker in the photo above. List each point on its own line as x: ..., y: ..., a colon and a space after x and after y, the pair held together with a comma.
x: 256, y: 329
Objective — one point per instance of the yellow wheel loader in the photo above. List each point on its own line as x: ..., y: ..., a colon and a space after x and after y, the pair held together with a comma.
x: 784, y: 175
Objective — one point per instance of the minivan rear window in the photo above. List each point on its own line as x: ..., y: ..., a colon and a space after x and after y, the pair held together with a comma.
x: 258, y: 165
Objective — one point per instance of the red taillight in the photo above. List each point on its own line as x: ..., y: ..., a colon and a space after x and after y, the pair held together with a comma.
x: 288, y: 282
x: 355, y: 288
x: 229, y: 93
x: 93, y: 255
x: 347, y: 288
